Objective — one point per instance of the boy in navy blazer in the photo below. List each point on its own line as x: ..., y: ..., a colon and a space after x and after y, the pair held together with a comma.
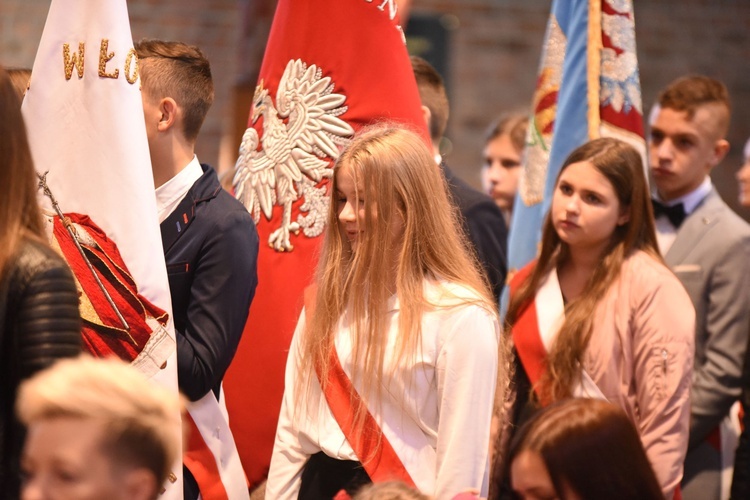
x: 210, y: 241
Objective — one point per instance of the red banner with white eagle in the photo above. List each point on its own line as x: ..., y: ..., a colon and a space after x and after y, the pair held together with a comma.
x: 329, y: 69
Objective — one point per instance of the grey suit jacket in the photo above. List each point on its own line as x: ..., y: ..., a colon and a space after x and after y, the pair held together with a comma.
x: 711, y: 257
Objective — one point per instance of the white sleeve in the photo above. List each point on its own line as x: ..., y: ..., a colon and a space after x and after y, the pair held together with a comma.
x: 288, y: 458
x: 466, y: 376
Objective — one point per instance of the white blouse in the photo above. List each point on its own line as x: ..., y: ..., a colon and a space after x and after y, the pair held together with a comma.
x: 436, y: 408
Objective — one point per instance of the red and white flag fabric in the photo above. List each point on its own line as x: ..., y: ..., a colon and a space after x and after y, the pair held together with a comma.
x: 84, y: 116
x: 329, y: 69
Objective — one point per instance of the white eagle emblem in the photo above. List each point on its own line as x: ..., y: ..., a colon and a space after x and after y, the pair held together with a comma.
x: 294, y: 154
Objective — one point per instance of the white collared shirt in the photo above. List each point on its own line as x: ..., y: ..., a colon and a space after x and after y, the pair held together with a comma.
x: 435, y: 408
x: 665, y: 231
x: 171, y: 193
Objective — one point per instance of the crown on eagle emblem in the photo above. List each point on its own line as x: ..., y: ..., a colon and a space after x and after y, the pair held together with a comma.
x: 300, y: 134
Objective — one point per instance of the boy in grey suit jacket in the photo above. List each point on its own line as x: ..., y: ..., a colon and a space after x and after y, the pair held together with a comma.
x: 707, y: 246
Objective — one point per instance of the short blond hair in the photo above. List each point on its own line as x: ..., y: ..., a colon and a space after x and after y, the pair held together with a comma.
x: 141, y: 418
x: 390, y: 490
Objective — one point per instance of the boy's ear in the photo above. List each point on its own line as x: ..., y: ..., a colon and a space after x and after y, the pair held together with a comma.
x: 720, y: 150
x: 169, y: 110
x: 426, y: 116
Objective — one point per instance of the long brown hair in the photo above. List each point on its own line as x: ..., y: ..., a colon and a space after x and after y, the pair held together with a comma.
x: 589, y: 446
x: 398, y: 178
x: 20, y: 215
x: 621, y: 164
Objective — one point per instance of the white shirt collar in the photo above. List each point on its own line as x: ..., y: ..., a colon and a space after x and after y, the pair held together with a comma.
x: 171, y: 193
x: 691, y: 200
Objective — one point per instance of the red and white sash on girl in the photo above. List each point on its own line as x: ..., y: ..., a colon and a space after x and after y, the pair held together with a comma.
x: 537, y: 327
x: 368, y: 441
x: 373, y: 449
x: 535, y: 331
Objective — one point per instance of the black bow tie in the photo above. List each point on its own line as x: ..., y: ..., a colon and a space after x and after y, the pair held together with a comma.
x: 675, y: 213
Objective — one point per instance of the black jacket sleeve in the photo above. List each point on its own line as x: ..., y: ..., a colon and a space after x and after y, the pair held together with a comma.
x: 39, y: 324
x: 47, y: 324
x: 222, y: 288
x: 485, y: 227
x: 487, y: 231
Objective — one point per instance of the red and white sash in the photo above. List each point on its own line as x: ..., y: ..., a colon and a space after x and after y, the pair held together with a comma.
x: 211, y: 454
x: 536, y: 329
x: 372, y: 447
x: 370, y: 444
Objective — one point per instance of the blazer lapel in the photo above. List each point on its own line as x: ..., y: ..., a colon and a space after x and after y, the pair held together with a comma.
x: 694, y: 228
x: 178, y: 221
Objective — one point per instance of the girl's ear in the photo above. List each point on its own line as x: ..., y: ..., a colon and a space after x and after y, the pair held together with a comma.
x: 624, y: 216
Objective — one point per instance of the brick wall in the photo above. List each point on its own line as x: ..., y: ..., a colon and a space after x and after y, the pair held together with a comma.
x: 496, y: 50
x: 700, y: 36
x: 214, y: 25
x: 492, y: 60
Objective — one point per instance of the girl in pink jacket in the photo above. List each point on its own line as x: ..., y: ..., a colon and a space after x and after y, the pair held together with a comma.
x: 599, y: 315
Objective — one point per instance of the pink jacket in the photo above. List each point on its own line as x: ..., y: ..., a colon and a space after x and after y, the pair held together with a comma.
x: 640, y: 357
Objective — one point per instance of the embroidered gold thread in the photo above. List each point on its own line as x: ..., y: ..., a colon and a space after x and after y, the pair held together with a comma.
x: 105, y: 57
x: 132, y: 56
x: 75, y: 60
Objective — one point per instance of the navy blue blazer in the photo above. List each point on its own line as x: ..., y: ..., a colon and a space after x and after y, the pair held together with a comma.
x: 211, y: 248
x: 484, y: 225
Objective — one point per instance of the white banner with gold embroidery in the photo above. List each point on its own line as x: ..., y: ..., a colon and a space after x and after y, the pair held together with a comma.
x: 84, y: 117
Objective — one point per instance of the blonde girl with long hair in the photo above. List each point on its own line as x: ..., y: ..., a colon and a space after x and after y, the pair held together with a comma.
x: 598, y: 314
x: 401, y: 307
